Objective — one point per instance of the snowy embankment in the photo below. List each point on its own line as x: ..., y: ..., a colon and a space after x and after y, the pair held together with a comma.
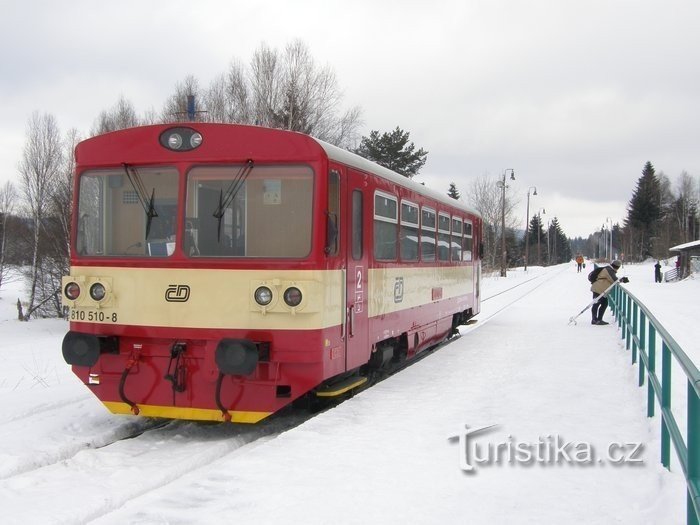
x: 383, y: 456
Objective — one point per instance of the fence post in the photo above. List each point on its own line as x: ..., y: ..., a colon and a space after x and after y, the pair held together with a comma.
x: 642, y: 345
x: 635, y: 331
x: 628, y: 317
x: 652, y: 369
x: 623, y: 314
x: 693, y: 452
x: 665, y: 404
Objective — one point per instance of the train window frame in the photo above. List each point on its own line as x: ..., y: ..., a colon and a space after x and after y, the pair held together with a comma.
x: 237, y: 217
x: 468, y: 241
x: 357, y: 233
x: 443, y: 236
x: 385, y: 228
x: 407, y: 226
x: 456, y: 239
x: 99, y: 232
x: 333, y: 222
x: 432, y: 257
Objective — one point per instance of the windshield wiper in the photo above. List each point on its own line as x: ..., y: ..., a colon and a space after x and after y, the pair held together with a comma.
x: 141, y: 193
x: 226, y: 198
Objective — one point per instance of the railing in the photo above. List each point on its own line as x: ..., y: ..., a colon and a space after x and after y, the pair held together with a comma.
x: 640, y: 330
x: 671, y: 275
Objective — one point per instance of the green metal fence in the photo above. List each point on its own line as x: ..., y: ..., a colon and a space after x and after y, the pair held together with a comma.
x: 641, y: 331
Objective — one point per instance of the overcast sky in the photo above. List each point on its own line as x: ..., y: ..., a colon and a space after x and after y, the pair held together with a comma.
x: 574, y: 96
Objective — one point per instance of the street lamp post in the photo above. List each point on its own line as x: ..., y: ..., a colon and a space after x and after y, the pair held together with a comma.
x: 539, y: 227
x: 608, y: 220
x: 502, y: 184
x: 527, y: 224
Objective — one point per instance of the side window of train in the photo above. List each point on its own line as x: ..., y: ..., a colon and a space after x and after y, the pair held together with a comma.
x: 357, y: 225
x: 427, y: 235
x: 385, y: 226
x: 443, y: 237
x: 456, y: 240
x: 468, y: 245
x: 333, y: 213
x: 409, y: 231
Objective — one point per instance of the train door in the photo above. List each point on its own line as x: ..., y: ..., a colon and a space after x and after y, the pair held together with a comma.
x: 357, y: 326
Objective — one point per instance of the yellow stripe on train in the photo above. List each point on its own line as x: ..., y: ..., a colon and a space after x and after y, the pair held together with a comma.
x: 194, y: 414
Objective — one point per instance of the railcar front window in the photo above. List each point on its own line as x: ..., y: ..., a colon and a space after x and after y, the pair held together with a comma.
x: 267, y: 213
x: 130, y: 213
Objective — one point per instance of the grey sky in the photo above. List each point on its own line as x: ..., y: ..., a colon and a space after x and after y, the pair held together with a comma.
x: 575, y: 96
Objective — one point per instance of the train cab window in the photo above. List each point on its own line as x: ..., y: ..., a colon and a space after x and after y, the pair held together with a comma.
x: 427, y: 235
x: 456, y: 240
x: 128, y: 211
x: 409, y: 232
x: 443, y: 237
x: 385, y: 225
x: 468, y: 242
x: 333, y: 213
x: 249, y: 211
x: 357, y: 225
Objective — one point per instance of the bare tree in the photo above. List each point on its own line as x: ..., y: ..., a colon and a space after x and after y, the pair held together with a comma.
x: 283, y: 90
x: 485, y: 195
x: 228, y: 98
x: 39, y: 169
x: 686, y: 205
x: 8, y: 195
x: 266, y: 87
x: 61, y: 204
x: 121, y: 116
x: 175, y: 107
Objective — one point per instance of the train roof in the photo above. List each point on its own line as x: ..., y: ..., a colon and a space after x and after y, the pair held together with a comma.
x: 361, y: 163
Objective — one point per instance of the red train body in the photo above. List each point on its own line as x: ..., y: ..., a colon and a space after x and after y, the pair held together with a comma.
x: 220, y: 272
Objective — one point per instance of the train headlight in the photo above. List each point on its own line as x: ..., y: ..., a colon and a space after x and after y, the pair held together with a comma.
x: 72, y: 291
x: 174, y: 141
x: 263, y: 296
x: 292, y: 296
x: 97, y: 291
x: 180, y: 139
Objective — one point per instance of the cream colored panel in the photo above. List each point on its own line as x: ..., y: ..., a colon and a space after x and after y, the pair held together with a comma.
x: 395, y: 289
x: 207, y: 298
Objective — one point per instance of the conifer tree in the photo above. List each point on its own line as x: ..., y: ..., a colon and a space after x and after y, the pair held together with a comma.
x: 453, y: 191
x: 644, y: 211
x: 393, y: 151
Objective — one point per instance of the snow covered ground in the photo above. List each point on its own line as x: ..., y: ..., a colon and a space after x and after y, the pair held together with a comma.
x: 563, y: 396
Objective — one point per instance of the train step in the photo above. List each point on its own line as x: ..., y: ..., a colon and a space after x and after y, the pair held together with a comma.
x: 341, y: 387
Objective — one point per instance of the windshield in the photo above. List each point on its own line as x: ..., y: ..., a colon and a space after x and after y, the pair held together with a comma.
x: 268, y: 213
x: 130, y: 212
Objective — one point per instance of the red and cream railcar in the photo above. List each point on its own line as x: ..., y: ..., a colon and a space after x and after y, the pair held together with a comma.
x: 220, y: 272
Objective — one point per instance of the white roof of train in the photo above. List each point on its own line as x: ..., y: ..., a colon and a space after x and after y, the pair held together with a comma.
x: 351, y: 159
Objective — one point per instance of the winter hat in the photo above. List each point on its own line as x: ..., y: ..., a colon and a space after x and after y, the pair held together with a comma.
x: 616, y: 264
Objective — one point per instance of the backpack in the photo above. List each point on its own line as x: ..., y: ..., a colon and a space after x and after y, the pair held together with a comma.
x: 593, y: 276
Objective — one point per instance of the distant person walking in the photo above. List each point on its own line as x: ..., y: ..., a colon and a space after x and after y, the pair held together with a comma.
x: 579, y: 262
x: 605, y: 278
x: 657, y: 272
